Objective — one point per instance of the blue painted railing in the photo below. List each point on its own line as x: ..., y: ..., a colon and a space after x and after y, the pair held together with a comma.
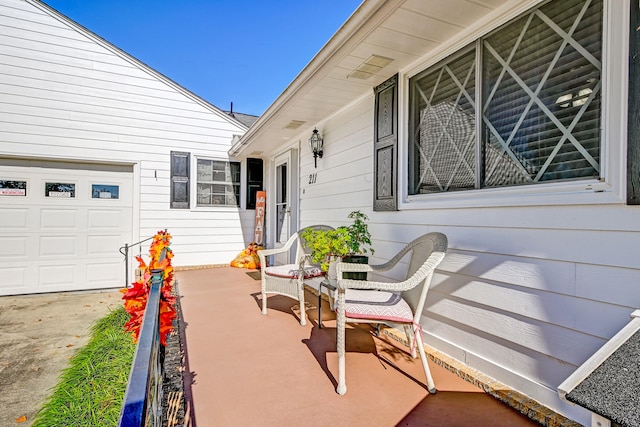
x: 142, y: 404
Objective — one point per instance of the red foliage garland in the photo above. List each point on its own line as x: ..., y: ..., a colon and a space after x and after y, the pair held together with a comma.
x: 137, y: 295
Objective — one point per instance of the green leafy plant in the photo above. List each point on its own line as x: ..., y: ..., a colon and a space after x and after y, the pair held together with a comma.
x: 353, y: 239
x: 359, y: 235
x: 325, y: 244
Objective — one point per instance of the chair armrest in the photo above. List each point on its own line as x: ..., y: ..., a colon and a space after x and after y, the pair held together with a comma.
x: 360, y: 268
x: 422, y: 273
x: 266, y: 252
x: 263, y: 253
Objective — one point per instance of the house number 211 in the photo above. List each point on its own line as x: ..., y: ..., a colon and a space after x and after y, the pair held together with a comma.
x: 313, y: 178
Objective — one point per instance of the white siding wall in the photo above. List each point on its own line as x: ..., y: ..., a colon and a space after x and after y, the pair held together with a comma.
x: 525, y: 294
x: 65, y: 95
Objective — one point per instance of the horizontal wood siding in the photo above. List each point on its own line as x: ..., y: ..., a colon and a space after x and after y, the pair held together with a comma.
x: 343, y: 174
x: 525, y: 294
x: 66, y: 95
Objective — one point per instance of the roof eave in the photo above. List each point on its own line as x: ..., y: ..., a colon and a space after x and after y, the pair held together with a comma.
x: 355, y: 23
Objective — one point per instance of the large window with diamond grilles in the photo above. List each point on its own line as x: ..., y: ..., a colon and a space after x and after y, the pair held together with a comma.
x: 519, y: 106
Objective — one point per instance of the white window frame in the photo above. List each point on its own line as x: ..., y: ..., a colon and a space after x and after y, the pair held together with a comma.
x: 194, y: 187
x: 611, y: 189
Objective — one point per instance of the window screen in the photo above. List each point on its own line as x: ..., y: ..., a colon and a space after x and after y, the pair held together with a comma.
x: 540, y: 105
x: 444, y: 138
x: 218, y: 183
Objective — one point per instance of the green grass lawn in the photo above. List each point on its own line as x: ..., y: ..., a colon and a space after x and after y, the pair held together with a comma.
x: 91, y: 389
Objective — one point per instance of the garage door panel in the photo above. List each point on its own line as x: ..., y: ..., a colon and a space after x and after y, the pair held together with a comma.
x: 104, y: 245
x: 58, y: 219
x: 60, y: 276
x: 13, y: 219
x: 100, y: 219
x: 59, y: 246
x: 14, y: 280
x: 13, y: 247
x: 104, y: 274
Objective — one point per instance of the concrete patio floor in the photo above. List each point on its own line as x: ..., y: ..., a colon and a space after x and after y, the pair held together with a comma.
x: 243, y: 368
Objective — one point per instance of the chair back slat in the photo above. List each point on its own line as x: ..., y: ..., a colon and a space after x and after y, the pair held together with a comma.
x: 431, y: 245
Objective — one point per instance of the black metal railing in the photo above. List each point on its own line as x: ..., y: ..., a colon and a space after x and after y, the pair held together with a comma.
x: 124, y: 250
x: 142, y: 404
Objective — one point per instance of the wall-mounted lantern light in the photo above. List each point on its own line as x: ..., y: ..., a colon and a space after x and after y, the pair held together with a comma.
x: 315, y: 143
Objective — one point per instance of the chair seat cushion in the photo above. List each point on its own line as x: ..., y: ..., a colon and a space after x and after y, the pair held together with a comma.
x: 291, y: 271
x: 377, y: 305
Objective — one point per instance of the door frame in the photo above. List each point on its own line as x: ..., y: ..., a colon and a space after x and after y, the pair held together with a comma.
x: 289, y: 157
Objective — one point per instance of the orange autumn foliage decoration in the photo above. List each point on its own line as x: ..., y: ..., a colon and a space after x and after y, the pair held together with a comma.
x: 137, y: 295
x: 248, y: 258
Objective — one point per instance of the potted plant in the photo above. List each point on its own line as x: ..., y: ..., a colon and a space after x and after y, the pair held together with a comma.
x: 349, y: 243
x: 326, y: 245
x: 359, y: 244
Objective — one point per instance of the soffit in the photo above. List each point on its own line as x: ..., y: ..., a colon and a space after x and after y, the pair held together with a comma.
x: 405, y: 31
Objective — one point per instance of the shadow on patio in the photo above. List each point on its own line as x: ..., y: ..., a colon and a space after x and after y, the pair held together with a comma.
x: 249, y: 369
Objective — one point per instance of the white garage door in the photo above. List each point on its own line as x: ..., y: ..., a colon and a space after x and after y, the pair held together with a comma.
x: 61, y: 225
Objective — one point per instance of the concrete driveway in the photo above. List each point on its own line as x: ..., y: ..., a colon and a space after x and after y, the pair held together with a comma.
x: 38, y: 336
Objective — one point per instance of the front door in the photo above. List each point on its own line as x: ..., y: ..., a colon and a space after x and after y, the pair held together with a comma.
x: 285, y: 201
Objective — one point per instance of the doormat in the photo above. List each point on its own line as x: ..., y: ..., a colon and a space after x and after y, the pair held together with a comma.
x: 255, y: 275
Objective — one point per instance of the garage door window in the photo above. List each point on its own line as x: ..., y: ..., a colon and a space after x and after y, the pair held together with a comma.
x: 13, y: 188
x: 103, y: 191
x: 60, y: 190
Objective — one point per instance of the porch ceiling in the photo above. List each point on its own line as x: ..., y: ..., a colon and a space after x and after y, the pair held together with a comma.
x: 403, y: 31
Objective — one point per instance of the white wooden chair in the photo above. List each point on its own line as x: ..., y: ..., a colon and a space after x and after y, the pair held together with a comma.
x: 399, y: 303
x: 288, y: 279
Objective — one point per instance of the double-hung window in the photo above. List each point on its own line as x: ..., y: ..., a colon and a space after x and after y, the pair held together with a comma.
x: 520, y: 106
x: 218, y: 183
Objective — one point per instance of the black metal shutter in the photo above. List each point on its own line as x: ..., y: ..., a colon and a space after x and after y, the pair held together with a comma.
x: 179, y: 180
x: 385, y: 146
x: 254, y: 180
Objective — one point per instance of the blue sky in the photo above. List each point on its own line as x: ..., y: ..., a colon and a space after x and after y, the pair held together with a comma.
x: 245, y: 52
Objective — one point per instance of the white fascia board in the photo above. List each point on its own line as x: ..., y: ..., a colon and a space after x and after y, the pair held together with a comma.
x: 345, y: 34
x: 599, y: 356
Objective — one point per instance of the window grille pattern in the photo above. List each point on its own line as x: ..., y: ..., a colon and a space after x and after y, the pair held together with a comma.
x: 540, y: 117
x: 218, y: 183
x: 445, y: 136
